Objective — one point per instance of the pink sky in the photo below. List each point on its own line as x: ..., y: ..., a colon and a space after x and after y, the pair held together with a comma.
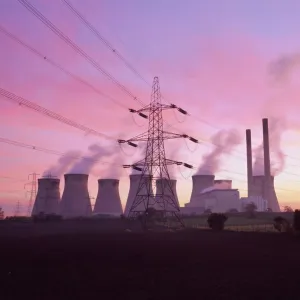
x: 211, y: 59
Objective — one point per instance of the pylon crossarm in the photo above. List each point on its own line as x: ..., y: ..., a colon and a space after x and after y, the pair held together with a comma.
x: 173, y: 162
x: 172, y: 135
x: 139, y: 138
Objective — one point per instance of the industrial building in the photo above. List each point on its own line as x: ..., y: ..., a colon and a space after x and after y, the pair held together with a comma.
x: 75, y: 201
x: 260, y: 203
x: 48, y: 197
x: 108, y: 198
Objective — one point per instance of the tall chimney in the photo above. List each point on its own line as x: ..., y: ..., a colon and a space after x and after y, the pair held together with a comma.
x: 269, y: 191
x: 267, y: 162
x: 249, y: 161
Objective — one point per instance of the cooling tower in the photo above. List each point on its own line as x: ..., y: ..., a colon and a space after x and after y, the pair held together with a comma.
x: 258, y: 189
x: 108, y: 199
x: 162, y: 188
x: 200, y: 182
x: 269, y: 193
x: 223, y: 183
x: 133, y: 189
x: 75, y: 201
x: 249, y: 160
x: 48, y: 196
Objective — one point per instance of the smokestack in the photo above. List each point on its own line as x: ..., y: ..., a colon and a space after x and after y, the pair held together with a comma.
x: 133, y: 190
x: 200, y: 182
x: 249, y: 160
x: 108, y: 199
x: 268, y: 185
x: 48, y: 196
x: 162, y: 188
x: 75, y: 201
x: 223, y: 184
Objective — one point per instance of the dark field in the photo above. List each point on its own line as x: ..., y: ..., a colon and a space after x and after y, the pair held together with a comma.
x: 51, y: 261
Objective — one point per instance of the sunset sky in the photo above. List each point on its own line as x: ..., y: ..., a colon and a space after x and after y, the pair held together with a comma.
x: 213, y: 59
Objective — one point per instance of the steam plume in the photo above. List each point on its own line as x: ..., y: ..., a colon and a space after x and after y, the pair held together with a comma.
x: 86, y: 163
x: 216, y: 186
x: 224, y: 142
x: 139, y: 156
x: 281, y: 69
x: 114, y: 171
x: 276, y: 129
x: 63, y: 164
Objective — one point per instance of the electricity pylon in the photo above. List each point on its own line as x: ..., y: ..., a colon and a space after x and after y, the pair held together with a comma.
x: 155, y: 164
x: 33, y: 190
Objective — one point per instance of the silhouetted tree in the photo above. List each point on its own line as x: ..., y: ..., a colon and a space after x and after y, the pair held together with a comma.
x: 207, y: 211
x: 217, y: 221
x: 281, y: 224
x: 287, y: 209
x: 296, y: 220
x: 251, y: 208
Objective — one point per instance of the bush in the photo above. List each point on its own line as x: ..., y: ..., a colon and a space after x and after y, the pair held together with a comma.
x: 217, y: 221
x: 296, y: 220
x: 281, y: 224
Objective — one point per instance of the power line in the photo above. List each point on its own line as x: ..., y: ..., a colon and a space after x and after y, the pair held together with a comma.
x: 59, y: 67
x: 75, y: 47
x: 33, y: 106
x: 103, y: 39
x: 117, y: 53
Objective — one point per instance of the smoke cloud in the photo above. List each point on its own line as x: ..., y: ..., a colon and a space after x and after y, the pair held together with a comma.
x: 280, y: 69
x: 224, y: 143
x: 217, y: 186
x: 114, y: 170
x: 63, y: 164
x: 277, y: 126
x: 141, y: 153
x: 86, y: 163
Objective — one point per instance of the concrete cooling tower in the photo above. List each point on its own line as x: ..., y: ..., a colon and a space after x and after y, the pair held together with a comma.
x: 133, y: 189
x: 48, y: 196
x: 162, y: 186
x: 108, y: 199
x: 75, y: 201
x: 200, y: 182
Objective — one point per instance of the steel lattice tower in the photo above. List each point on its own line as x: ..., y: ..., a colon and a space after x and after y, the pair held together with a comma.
x: 155, y: 164
x: 32, y: 192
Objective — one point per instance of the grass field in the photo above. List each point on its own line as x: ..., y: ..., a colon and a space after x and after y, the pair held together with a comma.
x: 83, y: 262
x: 241, y: 222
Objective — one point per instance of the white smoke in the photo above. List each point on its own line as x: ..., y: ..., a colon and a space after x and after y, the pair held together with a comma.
x: 277, y: 127
x: 115, y: 169
x: 87, y: 162
x: 62, y: 165
x: 217, y: 186
x: 139, y: 156
x: 224, y: 143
